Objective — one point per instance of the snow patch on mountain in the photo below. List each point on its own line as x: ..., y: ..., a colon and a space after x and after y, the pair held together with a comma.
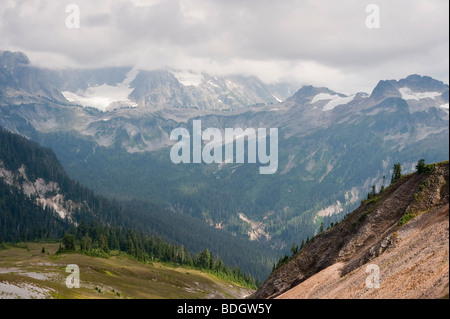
x: 105, y: 97
x: 445, y: 108
x: 323, y: 96
x: 187, y: 78
x: 408, y: 94
x: 277, y: 98
x: 338, y: 101
x: 334, y: 100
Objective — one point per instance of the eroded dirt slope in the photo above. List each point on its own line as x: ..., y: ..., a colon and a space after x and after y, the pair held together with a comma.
x: 413, y: 259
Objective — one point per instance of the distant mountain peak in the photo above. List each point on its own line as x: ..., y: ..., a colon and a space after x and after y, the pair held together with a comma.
x: 385, y: 88
x: 307, y: 93
x: 10, y: 60
x: 411, y: 85
x: 419, y: 83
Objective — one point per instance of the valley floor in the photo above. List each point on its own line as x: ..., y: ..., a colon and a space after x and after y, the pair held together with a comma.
x: 27, y: 272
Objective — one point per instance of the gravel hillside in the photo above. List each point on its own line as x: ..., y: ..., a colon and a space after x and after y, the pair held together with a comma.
x: 403, y: 233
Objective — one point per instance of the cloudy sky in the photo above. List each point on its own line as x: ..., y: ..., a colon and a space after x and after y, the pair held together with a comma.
x: 323, y: 43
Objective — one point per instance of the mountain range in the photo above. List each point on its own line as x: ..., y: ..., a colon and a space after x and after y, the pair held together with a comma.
x: 124, y: 87
x: 110, y: 129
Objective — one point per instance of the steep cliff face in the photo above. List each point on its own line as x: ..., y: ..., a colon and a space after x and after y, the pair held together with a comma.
x: 402, y: 233
x: 21, y: 82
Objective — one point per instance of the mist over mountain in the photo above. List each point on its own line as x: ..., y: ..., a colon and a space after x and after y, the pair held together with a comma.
x: 21, y: 82
x: 118, y: 87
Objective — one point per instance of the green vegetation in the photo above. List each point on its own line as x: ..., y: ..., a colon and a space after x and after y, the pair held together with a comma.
x: 362, y: 217
x: 406, y: 218
x: 99, y: 241
x: 119, y: 276
x: 371, y: 203
x: 397, y: 174
x: 286, y: 203
x: 21, y: 219
x: 422, y: 168
x: 68, y: 242
x: 295, y: 248
x: 154, y: 196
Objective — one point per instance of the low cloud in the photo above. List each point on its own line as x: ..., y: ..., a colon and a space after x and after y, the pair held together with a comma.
x: 310, y: 42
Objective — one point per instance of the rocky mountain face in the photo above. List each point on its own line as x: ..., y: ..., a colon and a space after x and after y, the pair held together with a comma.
x: 35, y: 186
x: 402, y: 233
x: 44, y: 194
x: 162, y: 89
x: 124, y: 87
x: 20, y: 82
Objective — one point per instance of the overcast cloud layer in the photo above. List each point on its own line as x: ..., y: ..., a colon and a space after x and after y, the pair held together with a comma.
x: 323, y: 43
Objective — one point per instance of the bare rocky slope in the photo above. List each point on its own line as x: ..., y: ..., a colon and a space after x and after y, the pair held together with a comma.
x: 403, y: 231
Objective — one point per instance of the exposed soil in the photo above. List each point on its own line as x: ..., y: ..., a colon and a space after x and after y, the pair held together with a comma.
x: 413, y: 259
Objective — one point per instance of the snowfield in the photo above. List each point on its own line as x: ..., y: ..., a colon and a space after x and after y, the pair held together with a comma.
x: 335, y: 100
x: 408, y: 94
x: 188, y: 78
x: 105, y: 96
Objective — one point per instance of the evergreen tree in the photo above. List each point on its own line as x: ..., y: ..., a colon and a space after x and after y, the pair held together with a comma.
x: 294, y: 249
x: 220, y: 266
x: 104, y: 244
x: 203, y: 259
x: 68, y: 242
x: 421, y: 166
x: 130, y: 246
x: 86, y: 243
x: 397, y: 173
